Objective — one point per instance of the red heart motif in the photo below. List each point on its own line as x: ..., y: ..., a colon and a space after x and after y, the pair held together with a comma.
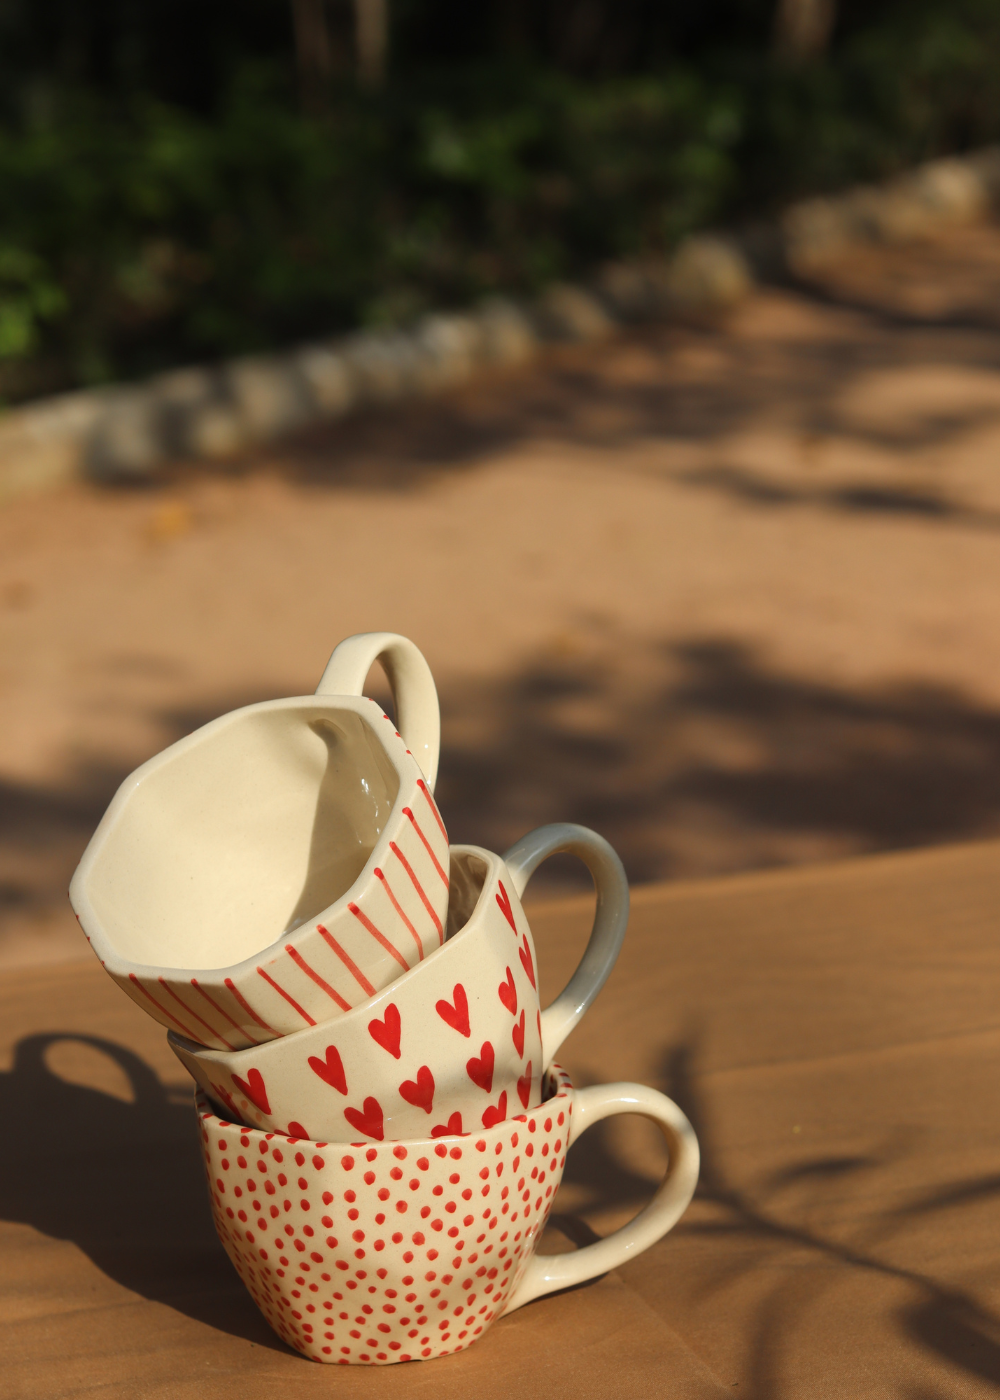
x: 386, y: 1031
x: 419, y: 1092
x: 224, y: 1096
x: 508, y: 993
x: 493, y: 1116
x: 457, y: 1016
x: 525, y: 955
x: 253, y: 1087
x: 538, y: 1014
x: 503, y: 899
x: 524, y: 1086
x: 452, y: 1128
x: 481, y: 1069
x: 330, y: 1070
x: 296, y: 1130
x: 517, y: 1035
x: 370, y: 1122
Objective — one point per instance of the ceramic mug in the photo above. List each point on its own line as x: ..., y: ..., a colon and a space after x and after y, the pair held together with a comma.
x: 456, y: 1043
x: 279, y: 865
x: 410, y: 1250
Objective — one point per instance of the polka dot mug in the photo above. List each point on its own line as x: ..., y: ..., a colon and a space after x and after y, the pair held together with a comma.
x: 370, y: 1254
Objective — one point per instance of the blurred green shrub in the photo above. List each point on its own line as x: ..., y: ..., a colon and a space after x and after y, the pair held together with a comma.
x: 137, y: 232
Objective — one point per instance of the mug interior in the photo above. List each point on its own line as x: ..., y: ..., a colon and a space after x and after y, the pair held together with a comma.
x: 241, y: 836
x: 467, y: 877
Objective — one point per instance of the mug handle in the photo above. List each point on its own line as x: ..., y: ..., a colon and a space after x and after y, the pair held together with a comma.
x: 547, y: 1272
x: 610, y: 918
x: 413, y: 690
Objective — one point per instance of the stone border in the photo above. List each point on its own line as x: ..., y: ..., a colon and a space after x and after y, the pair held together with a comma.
x: 129, y: 431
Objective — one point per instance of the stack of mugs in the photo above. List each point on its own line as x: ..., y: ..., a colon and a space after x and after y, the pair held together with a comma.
x: 383, y: 1124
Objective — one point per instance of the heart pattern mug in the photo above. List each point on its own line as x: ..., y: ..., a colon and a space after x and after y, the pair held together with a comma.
x: 457, y: 1043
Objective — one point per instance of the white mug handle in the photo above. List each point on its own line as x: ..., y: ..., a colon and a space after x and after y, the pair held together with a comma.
x: 610, y: 919
x: 547, y: 1272
x: 413, y: 691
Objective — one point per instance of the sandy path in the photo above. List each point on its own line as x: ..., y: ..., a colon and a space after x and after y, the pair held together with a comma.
x: 728, y: 593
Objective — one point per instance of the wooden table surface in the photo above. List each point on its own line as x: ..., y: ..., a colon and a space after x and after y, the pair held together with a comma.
x: 834, y: 1035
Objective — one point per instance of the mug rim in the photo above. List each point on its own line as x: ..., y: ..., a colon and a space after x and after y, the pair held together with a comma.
x: 473, y: 924
x: 79, y: 894
x: 555, y: 1075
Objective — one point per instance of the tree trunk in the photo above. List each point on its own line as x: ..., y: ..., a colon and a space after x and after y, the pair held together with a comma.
x: 513, y: 27
x: 371, y: 36
x: 802, y: 28
x: 312, y: 52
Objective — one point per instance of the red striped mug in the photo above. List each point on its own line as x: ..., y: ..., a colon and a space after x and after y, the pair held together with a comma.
x: 279, y: 865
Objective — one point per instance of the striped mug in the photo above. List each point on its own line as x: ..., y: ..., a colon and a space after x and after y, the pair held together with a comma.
x: 279, y: 865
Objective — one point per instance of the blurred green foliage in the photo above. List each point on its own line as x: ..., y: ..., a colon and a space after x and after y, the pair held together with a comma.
x: 159, y: 204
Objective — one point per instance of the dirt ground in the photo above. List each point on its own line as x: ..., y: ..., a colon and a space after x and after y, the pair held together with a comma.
x: 727, y: 592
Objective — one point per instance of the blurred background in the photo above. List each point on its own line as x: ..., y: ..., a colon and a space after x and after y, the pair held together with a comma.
x: 724, y: 589
x: 181, y: 180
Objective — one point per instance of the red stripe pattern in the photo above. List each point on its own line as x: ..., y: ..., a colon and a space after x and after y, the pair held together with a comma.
x: 433, y: 806
x: 191, y: 1012
x: 247, y: 1007
x: 377, y: 934
x: 223, y: 1013
x: 348, y: 962
x: 399, y: 910
x: 287, y: 995
x: 419, y: 889
x: 186, y: 1030
x: 300, y: 961
x: 427, y: 845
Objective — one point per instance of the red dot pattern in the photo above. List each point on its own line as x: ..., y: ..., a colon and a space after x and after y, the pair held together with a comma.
x: 355, y: 1262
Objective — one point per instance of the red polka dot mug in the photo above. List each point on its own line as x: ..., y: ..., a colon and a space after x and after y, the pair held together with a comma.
x: 456, y: 1044
x: 279, y: 865
x: 375, y: 1253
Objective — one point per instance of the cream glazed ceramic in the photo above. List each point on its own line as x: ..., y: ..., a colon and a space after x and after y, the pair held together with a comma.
x: 279, y: 865
x: 370, y: 1254
x: 454, y: 1045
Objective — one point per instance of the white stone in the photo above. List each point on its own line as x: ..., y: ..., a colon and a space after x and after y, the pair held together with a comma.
x: 268, y: 394
x: 629, y: 291
x: 127, y: 438
x: 329, y: 377
x: 450, y: 348
x: 953, y: 189
x: 386, y: 364
x: 708, y: 271
x: 508, y: 337
x: 565, y: 312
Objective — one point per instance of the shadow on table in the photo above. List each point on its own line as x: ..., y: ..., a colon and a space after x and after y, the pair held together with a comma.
x: 697, y: 759
x: 123, y: 1181
x: 778, y: 1210
x: 693, y: 759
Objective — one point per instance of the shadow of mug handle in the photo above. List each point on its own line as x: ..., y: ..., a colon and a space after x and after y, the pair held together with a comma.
x: 414, y: 693
x: 610, y: 918
x: 29, y: 1061
x: 546, y: 1273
